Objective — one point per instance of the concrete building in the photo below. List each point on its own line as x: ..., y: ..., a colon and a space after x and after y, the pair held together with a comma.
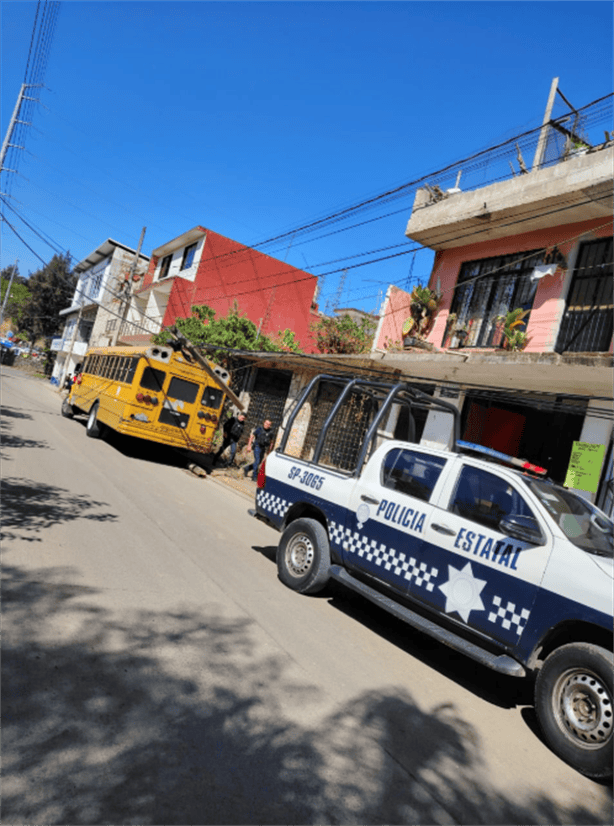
x: 203, y: 267
x: 541, y: 243
x: 96, y: 309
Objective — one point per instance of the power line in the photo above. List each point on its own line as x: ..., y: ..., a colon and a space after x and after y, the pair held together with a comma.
x: 485, y: 156
x: 226, y: 296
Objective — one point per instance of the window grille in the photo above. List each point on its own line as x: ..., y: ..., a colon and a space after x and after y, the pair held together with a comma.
x: 487, y: 289
x: 587, y: 323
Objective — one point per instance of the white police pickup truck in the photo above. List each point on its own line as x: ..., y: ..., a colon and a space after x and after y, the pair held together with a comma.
x: 508, y: 568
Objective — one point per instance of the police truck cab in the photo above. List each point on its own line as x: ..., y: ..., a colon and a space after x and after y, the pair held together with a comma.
x: 478, y: 551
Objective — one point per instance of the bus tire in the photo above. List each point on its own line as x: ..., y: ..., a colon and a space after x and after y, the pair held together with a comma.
x: 573, y: 703
x: 68, y: 411
x: 303, y: 556
x: 94, y: 429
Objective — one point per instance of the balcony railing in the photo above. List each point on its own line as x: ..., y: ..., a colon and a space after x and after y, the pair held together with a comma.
x: 131, y: 328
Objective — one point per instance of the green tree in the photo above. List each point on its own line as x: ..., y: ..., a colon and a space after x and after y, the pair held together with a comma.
x: 18, y: 296
x: 51, y: 290
x: 341, y: 334
x: 235, y: 331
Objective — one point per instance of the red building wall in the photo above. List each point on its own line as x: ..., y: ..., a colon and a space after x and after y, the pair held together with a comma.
x: 266, y: 290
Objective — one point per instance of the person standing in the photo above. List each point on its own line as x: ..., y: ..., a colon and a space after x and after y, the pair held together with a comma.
x: 260, y: 440
x: 233, y: 430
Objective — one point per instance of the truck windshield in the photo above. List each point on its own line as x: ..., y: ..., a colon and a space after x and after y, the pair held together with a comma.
x: 582, y: 523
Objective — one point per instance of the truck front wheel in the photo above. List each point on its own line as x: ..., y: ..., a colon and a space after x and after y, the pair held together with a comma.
x: 573, y: 703
x: 303, y: 556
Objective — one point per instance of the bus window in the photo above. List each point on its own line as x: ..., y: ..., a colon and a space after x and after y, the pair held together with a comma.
x: 152, y: 379
x: 212, y: 397
x: 183, y: 390
x: 128, y: 370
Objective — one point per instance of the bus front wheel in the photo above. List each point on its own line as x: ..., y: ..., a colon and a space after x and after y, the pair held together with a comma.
x: 68, y: 411
x: 94, y: 428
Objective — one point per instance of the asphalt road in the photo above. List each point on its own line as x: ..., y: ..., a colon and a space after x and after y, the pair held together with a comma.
x: 155, y: 671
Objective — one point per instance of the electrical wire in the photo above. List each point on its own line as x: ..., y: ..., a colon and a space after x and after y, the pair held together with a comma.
x: 235, y: 294
x: 490, y: 152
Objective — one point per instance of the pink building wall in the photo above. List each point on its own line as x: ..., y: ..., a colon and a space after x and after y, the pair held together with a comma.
x: 549, y: 302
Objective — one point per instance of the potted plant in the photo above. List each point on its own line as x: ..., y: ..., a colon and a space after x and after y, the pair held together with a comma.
x: 513, y: 338
x: 423, y: 308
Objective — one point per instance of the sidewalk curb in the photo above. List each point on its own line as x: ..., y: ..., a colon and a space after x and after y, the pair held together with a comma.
x: 238, y: 485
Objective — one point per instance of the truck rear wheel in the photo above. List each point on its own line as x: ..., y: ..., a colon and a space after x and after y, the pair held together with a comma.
x: 573, y: 703
x: 303, y: 556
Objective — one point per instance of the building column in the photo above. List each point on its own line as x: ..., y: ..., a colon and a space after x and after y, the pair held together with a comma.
x: 439, y: 427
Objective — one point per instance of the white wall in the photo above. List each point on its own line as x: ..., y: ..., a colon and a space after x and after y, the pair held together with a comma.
x: 190, y: 272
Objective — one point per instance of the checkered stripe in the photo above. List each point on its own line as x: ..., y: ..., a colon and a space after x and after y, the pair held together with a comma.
x: 388, y: 558
x: 509, y: 615
x: 423, y: 575
x: 270, y: 502
x: 336, y: 534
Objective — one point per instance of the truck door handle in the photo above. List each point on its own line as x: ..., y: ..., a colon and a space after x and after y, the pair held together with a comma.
x: 369, y: 499
x: 444, y: 529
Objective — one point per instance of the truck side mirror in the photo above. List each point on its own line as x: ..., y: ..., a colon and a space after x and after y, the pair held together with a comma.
x: 525, y: 528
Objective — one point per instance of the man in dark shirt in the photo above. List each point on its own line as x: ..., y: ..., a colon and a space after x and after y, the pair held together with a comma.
x: 233, y: 430
x: 260, y: 440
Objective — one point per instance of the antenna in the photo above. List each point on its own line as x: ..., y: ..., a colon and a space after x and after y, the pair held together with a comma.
x: 340, y: 288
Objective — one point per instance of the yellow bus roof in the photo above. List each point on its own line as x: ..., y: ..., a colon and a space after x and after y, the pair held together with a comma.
x: 124, y: 351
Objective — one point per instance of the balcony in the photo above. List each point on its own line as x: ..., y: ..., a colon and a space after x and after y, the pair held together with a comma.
x: 578, y: 189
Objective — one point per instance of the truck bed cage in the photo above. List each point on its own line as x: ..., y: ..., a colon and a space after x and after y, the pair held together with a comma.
x: 385, y: 395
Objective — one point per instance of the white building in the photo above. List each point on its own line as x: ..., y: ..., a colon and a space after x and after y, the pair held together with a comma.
x: 96, y: 308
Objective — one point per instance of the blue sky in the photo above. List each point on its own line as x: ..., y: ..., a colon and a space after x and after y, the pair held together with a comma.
x: 254, y: 119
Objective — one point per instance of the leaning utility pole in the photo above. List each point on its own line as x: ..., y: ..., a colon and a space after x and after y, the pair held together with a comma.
x: 6, y: 145
x: 123, y: 313
x: 541, y: 143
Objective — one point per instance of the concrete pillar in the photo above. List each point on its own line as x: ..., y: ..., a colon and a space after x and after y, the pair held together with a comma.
x: 439, y: 428
x: 296, y: 439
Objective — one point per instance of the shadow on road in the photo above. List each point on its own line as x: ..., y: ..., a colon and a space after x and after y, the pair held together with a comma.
x: 29, y: 507
x: 8, y: 440
x: 141, y: 449
x: 502, y: 691
x: 186, y: 717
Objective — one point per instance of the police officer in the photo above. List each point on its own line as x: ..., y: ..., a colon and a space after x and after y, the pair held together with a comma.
x: 260, y: 439
x: 233, y: 430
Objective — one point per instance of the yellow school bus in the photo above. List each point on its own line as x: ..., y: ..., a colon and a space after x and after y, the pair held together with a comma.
x: 155, y: 393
